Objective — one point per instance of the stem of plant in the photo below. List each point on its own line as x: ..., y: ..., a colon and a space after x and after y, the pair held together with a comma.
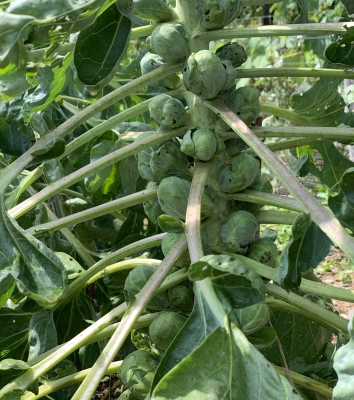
x: 275, y: 217
x: 294, y: 72
x: 292, y: 143
x: 319, y: 214
x: 134, y: 310
x: 289, y: 115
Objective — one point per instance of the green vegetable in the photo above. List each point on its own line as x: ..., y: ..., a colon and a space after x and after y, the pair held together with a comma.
x: 215, y: 14
x: 137, y: 371
x: 201, y: 144
x: 173, y: 193
x: 264, y: 251
x: 244, y: 103
x: 152, y: 207
x: 180, y: 297
x: 150, y: 62
x: 233, y: 52
x: 239, y: 231
x: 234, y: 146
x: 169, y: 42
x: 206, y: 75
x: 144, y: 159
x: 237, y: 176
x: 167, y: 243
x: 252, y: 318
x: 168, y: 160
x: 165, y: 327
x: 168, y: 112
x: 153, y: 10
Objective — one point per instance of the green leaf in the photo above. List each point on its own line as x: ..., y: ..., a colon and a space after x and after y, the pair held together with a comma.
x: 236, y: 284
x: 9, y: 369
x: 344, y: 366
x: 303, y: 17
x: 14, y: 334
x: 302, y: 166
x: 349, y: 5
x: 171, y: 224
x: 72, y: 267
x: 14, y: 138
x: 308, y: 247
x: 129, y: 174
x: 7, y: 285
x: 234, y: 370
x: 341, y: 200
x: 109, y: 36
x: 53, y: 148
x: 52, y: 81
x: 263, y: 339
x: 341, y: 52
x: 299, y: 337
x: 42, y: 333
x: 52, y: 170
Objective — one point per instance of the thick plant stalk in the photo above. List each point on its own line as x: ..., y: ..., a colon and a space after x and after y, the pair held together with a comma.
x: 319, y: 214
x: 294, y: 72
x: 135, y: 309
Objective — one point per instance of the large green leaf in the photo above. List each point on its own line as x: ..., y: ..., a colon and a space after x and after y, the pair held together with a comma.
x: 349, y: 5
x: 14, y: 137
x: 344, y: 366
x: 308, y: 247
x: 14, y: 334
x: 52, y: 81
x: 129, y: 174
x: 235, y: 283
x: 9, y: 369
x: 341, y: 52
x: 109, y: 36
x: 341, y: 200
x: 7, y: 285
x: 224, y: 366
x: 303, y: 17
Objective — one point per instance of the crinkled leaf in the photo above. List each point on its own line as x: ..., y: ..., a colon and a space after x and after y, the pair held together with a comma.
x: 341, y: 200
x: 10, y: 369
x: 14, y: 334
x: 233, y: 367
x: 14, y: 138
x: 308, y: 247
x: 171, y: 224
x: 236, y: 284
x: 299, y: 337
x: 344, y: 366
x: 7, y: 285
x: 109, y: 36
x: 42, y: 333
x: 129, y: 174
x: 52, y: 81
x: 341, y: 52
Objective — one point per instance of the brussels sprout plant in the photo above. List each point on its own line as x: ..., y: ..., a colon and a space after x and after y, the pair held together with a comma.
x: 132, y: 199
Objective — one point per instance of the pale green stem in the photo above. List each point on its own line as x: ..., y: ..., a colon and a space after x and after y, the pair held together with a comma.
x: 313, y: 310
x: 306, y: 382
x: 248, y: 3
x: 142, y: 31
x: 68, y: 380
x: 68, y: 192
x: 275, y: 30
x: 297, y: 131
x: 289, y: 115
x: 135, y: 309
x: 275, y: 217
x: 269, y: 199
x: 294, y: 72
x: 97, y: 165
x: 95, y: 212
x: 316, y: 288
x: 319, y: 214
x: 292, y: 143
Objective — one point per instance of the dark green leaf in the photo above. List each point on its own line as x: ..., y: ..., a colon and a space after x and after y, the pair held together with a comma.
x: 235, y: 370
x: 42, y: 333
x: 9, y: 369
x: 52, y: 171
x: 303, y: 17
x: 134, y: 224
x: 344, y: 366
x: 341, y: 52
x: 14, y: 334
x: 302, y: 166
x: 14, y: 138
x: 263, y: 339
x: 236, y: 284
x: 129, y: 174
x: 7, y: 285
x: 341, y: 200
x: 109, y: 36
x: 308, y: 247
x: 52, y: 81
x: 171, y: 224
x: 349, y: 5
x: 54, y: 148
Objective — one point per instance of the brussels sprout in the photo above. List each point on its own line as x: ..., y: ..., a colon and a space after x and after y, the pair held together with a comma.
x: 230, y: 77
x: 168, y: 160
x: 152, y: 207
x: 233, y: 52
x: 136, y: 280
x: 144, y: 158
x: 234, y: 146
x: 167, y: 243
x: 244, y: 103
x: 252, y: 318
x: 173, y: 193
x: 206, y: 75
x: 237, y: 176
x: 264, y: 251
x: 168, y: 112
x: 165, y: 327
x: 180, y: 296
x: 169, y: 42
x: 215, y: 14
x: 211, y: 235
x: 201, y: 144
x: 137, y: 371
x: 153, y: 10
x: 239, y: 231
x: 150, y: 62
